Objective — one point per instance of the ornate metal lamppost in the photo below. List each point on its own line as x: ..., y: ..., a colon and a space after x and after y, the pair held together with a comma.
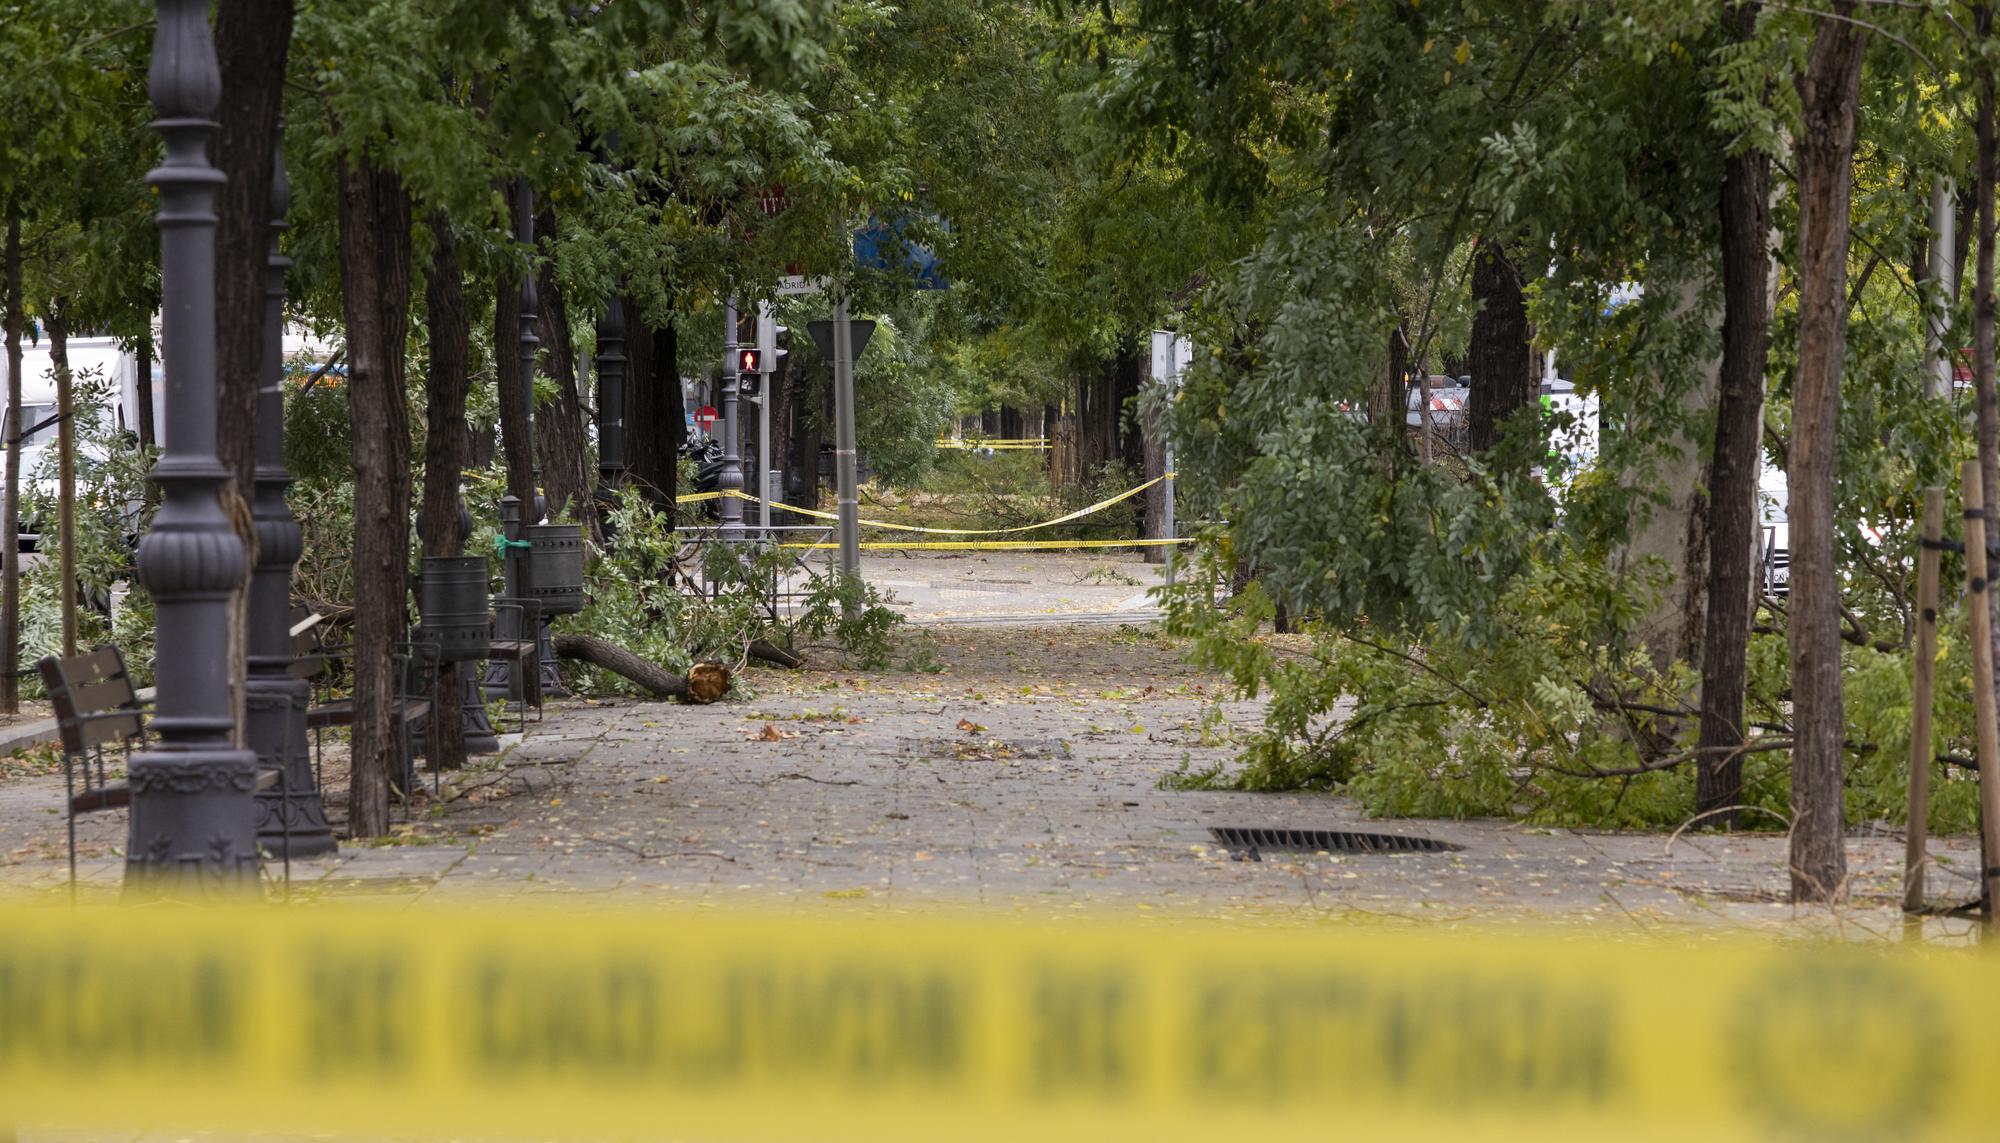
x: 611, y: 402
x: 193, y: 822
x: 290, y: 816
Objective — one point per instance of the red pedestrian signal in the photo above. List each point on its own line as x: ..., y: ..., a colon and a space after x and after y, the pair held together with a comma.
x: 749, y: 361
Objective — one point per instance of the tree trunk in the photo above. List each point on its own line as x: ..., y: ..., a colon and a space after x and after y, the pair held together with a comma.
x: 375, y: 279
x: 1387, y: 405
x: 1828, y: 91
x: 445, y: 439
x: 788, y: 432
x: 10, y: 497
x: 1983, y: 384
x: 149, y: 435
x: 1501, y: 362
x: 655, y: 421
x: 1734, y: 468
x: 252, y: 38
x: 603, y: 653
x: 65, y: 474
x: 559, y: 435
x: 639, y: 402
x: 512, y: 398
x: 1012, y: 427
x: 1130, y: 442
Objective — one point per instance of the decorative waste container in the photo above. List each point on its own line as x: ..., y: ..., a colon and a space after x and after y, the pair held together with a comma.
x: 553, y: 571
x: 451, y: 594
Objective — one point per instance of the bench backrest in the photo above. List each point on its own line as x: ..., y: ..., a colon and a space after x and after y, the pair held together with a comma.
x: 92, y: 683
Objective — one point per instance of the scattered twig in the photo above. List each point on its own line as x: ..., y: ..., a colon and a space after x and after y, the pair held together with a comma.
x: 810, y: 778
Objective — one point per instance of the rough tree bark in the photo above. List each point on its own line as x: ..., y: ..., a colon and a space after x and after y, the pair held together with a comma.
x: 1129, y: 378
x: 66, y: 470
x: 1829, y: 91
x: 1733, y: 468
x: 654, y: 418
x: 559, y: 435
x: 147, y: 434
x: 1501, y: 362
x: 374, y: 209
x: 10, y: 497
x: 1984, y: 389
x: 445, y: 445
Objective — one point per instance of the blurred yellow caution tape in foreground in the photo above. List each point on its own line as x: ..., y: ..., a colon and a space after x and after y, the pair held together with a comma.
x: 456, y: 1024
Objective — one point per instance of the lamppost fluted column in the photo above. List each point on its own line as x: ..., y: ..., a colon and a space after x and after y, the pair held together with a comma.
x: 290, y: 816
x: 193, y: 822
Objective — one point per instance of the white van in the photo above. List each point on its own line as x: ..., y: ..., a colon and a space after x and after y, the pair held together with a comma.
x: 90, y: 357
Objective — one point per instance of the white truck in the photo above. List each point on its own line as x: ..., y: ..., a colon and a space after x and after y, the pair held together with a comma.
x: 104, y: 357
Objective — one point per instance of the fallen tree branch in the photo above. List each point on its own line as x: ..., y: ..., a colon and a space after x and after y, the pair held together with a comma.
x: 765, y: 651
x: 1672, y: 761
x: 705, y: 683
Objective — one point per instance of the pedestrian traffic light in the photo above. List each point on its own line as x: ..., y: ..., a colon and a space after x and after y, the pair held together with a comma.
x: 749, y: 360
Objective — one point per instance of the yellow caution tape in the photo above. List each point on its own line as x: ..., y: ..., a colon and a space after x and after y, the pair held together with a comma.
x: 449, y: 1023
x: 997, y: 445
x: 1079, y: 514
x: 991, y: 545
x: 697, y: 497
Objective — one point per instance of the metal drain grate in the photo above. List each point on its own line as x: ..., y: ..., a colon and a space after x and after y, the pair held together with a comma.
x: 1250, y: 843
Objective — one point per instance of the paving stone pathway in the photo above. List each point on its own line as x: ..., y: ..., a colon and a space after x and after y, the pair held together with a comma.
x: 1022, y: 774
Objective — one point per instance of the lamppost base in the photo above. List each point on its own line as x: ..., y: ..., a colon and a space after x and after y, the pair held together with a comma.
x: 552, y: 684
x: 291, y: 818
x: 192, y: 835
x: 478, y: 729
x: 498, y: 681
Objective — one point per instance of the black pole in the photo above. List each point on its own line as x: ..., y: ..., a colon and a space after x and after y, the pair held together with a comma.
x: 611, y: 399
x: 730, y: 480
x: 524, y: 229
x: 193, y: 823
x: 291, y: 819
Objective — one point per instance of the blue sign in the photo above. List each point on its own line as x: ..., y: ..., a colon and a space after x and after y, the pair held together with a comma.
x: 881, y: 246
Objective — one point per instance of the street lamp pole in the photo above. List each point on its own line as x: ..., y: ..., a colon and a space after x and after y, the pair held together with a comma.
x: 730, y: 480
x: 845, y: 476
x: 503, y: 678
x: 193, y: 821
x: 611, y: 400
x: 290, y: 816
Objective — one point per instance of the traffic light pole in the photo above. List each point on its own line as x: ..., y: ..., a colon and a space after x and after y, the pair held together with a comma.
x: 767, y: 361
x: 845, y: 476
x: 730, y: 479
